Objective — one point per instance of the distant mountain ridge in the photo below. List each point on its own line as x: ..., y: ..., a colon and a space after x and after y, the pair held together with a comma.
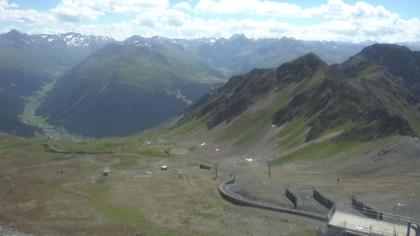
x: 170, y: 72
x: 308, y: 99
x: 92, y: 70
x: 124, y: 88
x: 27, y: 62
x: 68, y: 39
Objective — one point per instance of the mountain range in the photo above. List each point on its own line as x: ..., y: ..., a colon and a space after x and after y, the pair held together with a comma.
x: 365, y: 98
x: 27, y: 62
x: 101, y: 87
x: 127, y: 87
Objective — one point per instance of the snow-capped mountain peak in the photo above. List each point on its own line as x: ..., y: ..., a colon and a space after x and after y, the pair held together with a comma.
x: 74, y: 40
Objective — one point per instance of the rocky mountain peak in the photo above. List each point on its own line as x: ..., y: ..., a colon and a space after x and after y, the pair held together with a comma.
x: 300, y: 68
x: 377, y: 50
x: 17, y: 38
x: 399, y: 61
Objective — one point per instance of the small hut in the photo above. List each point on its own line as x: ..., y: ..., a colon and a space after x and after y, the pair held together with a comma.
x: 106, y: 171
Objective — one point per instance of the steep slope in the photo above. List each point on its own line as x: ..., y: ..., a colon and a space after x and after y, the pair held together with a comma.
x: 399, y: 61
x: 27, y: 62
x: 305, y: 101
x: 127, y: 87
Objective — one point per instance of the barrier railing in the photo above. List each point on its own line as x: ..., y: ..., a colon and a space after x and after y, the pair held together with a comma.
x: 358, y: 230
x: 241, y: 200
x: 366, y: 210
x: 322, y: 200
x: 331, y: 213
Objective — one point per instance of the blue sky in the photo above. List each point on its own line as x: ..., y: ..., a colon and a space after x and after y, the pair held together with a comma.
x: 338, y: 20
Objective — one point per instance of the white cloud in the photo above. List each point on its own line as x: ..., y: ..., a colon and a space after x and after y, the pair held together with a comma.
x: 75, y: 10
x: 11, y: 12
x: 133, y: 5
x: 4, y: 4
x: 183, y: 6
x: 338, y: 9
x: 269, y: 8
x: 252, y: 7
x: 334, y: 20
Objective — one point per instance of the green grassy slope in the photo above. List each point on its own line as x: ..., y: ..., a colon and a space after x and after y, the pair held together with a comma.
x: 307, y: 109
x: 26, y: 66
x: 123, y: 89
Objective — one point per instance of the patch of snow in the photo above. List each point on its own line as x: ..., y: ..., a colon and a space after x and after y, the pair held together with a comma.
x: 139, y: 44
x: 203, y: 144
x: 76, y: 41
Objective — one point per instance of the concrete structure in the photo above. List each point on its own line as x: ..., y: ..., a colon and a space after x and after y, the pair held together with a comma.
x: 340, y: 223
x: 238, y: 199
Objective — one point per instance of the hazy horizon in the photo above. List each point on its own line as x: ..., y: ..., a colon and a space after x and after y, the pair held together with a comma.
x: 364, y: 43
